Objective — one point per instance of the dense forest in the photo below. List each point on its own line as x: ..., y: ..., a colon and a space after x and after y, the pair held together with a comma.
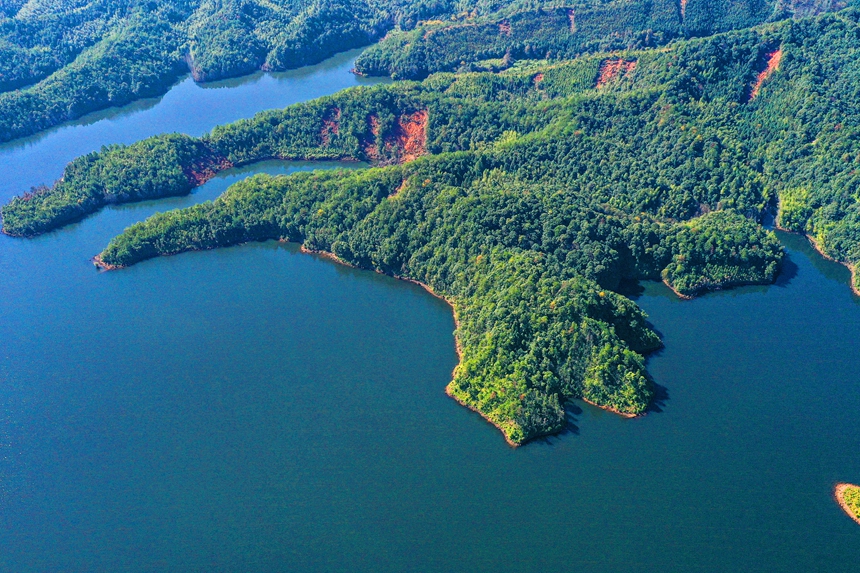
x: 565, y: 31
x: 528, y: 197
x: 61, y: 60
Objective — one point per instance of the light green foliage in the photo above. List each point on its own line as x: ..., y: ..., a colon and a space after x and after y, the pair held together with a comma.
x: 794, y: 209
x: 852, y: 500
x: 718, y: 250
x: 71, y: 58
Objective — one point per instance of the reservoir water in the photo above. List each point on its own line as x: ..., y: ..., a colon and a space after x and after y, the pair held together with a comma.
x: 258, y: 409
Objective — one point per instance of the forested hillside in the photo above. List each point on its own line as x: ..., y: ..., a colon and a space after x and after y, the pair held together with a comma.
x: 61, y: 60
x: 566, y: 31
x: 528, y: 197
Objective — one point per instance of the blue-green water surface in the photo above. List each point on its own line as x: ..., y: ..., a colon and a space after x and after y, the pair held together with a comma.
x: 259, y: 409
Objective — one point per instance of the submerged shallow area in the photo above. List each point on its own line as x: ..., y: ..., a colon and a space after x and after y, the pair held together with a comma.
x: 258, y: 408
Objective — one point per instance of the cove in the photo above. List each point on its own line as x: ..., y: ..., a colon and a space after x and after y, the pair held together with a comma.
x: 187, y: 107
x: 254, y: 408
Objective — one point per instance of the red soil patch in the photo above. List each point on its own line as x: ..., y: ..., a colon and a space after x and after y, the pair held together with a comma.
x: 611, y: 69
x: 772, y: 64
x: 411, y: 137
x: 683, y: 9
x: 370, y: 146
x: 331, y: 125
x: 505, y: 28
x: 571, y: 15
x: 407, y: 141
x: 537, y: 79
x: 205, y: 169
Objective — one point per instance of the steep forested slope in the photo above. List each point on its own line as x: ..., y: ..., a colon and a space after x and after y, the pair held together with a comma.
x: 574, y: 28
x: 60, y: 60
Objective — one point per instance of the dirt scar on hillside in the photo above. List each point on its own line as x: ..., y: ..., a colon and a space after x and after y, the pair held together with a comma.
x: 773, y: 60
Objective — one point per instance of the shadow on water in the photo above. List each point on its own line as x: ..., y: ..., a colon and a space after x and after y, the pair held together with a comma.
x: 631, y: 288
x: 185, y: 86
x: 571, y: 411
x: 829, y: 268
x: 111, y: 113
x: 661, y: 396
x: 787, y: 273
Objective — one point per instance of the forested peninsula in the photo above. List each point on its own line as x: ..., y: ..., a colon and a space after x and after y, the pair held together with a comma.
x: 61, y: 60
x: 527, y: 197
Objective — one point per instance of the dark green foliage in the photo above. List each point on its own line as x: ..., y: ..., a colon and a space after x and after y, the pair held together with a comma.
x: 156, y: 167
x: 71, y: 58
x: 557, y: 33
x: 535, y: 328
x: 531, y: 339
x: 719, y: 250
x: 147, y: 50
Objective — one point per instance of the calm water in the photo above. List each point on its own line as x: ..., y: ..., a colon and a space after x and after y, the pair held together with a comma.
x: 187, y: 108
x: 256, y: 409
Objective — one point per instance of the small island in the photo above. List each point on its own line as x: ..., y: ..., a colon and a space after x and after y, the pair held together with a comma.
x: 848, y: 497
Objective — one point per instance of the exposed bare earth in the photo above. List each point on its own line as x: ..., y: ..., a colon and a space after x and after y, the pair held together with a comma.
x: 839, y: 493
x: 411, y: 137
x: 612, y: 69
x: 203, y: 171
x: 98, y: 262
x: 331, y: 125
x: 771, y: 64
x: 613, y: 410
x: 407, y: 141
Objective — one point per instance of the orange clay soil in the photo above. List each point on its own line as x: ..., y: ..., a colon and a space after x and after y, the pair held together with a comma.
x: 411, y: 136
x: 204, y: 170
x: 331, y: 125
x: 683, y: 9
x: 370, y: 149
x: 771, y: 66
x: 839, y: 494
x: 505, y: 28
x: 611, y: 69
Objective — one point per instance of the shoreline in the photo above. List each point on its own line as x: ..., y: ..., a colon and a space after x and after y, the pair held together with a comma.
x: 839, y: 495
x: 334, y: 258
x: 679, y: 295
x: 852, y: 284
x: 484, y: 416
x: 612, y: 410
x: 103, y: 266
x: 727, y: 286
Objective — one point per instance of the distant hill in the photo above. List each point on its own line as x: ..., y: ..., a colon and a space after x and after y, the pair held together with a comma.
x: 62, y: 59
